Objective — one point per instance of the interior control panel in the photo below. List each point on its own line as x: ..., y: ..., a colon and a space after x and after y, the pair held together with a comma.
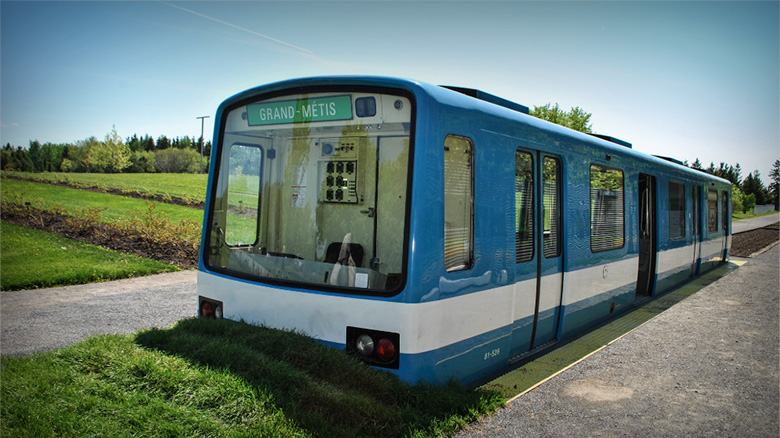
x: 340, y: 169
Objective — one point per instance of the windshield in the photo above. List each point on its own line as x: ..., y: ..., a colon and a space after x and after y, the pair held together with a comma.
x: 312, y: 188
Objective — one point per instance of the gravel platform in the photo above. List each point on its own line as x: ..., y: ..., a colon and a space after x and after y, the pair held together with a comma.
x: 708, y: 366
x: 40, y: 320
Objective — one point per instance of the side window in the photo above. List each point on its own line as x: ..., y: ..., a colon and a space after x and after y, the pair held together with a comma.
x: 676, y: 210
x: 243, y: 194
x: 524, y: 206
x: 458, y: 203
x: 725, y: 212
x: 696, y: 209
x: 551, y: 194
x: 712, y: 211
x: 607, y: 221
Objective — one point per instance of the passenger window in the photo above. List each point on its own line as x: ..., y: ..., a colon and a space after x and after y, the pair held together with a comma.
x: 607, y: 222
x: 243, y: 195
x: 712, y: 211
x: 458, y: 203
x: 524, y: 206
x: 696, y: 209
x: 676, y: 210
x: 725, y: 202
x: 551, y: 190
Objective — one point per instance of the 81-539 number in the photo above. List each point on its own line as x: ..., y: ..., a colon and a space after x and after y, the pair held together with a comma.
x: 493, y: 353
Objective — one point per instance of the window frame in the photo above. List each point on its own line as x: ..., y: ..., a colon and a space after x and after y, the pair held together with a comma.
x: 468, y: 263
x: 712, y: 226
x: 258, y: 219
x: 680, y: 232
x: 249, y: 97
x: 531, y: 214
x: 557, y: 197
x: 598, y: 249
x: 696, y: 200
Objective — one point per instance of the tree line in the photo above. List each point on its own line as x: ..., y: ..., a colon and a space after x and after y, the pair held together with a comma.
x: 750, y: 191
x: 110, y: 155
x: 182, y: 155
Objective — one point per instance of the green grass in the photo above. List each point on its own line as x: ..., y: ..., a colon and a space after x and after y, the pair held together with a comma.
x: 740, y: 216
x: 33, y: 259
x: 221, y: 378
x: 109, y: 387
x: 186, y: 185
x: 47, y: 197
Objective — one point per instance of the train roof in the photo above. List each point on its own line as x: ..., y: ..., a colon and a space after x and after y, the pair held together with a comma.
x: 608, y: 143
x: 476, y: 100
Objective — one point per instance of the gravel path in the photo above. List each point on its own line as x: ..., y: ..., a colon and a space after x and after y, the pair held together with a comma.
x: 708, y: 366
x: 39, y: 320
x: 753, y: 223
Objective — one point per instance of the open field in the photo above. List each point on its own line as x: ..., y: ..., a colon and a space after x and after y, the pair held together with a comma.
x: 32, y: 259
x: 221, y: 378
x: 48, y: 197
x: 164, y: 232
x: 186, y: 186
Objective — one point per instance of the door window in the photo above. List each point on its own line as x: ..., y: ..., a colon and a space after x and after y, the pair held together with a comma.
x: 524, y: 206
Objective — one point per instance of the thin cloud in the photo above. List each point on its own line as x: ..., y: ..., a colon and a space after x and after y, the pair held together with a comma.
x: 239, y: 28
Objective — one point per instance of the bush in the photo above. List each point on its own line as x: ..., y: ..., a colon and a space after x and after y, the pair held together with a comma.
x: 142, y: 162
x: 173, y: 160
x: 736, y: 200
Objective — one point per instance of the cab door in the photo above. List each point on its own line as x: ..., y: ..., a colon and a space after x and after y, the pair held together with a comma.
x: 550, y: 274
x: 538, y: 250
x: 647, y: 236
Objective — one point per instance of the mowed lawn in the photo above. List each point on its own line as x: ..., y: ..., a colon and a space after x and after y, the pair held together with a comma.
x: 182, y: 185
x: 33, y: 259
x: 47, y: 197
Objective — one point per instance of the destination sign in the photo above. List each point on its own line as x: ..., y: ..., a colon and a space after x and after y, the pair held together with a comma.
x: 319, y: 109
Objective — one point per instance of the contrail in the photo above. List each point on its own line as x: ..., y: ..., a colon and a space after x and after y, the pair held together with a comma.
x: 238, y: 27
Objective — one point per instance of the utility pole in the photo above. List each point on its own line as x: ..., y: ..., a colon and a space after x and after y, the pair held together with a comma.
x: 201, y: 140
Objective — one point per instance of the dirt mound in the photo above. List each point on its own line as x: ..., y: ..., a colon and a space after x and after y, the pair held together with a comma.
x: 181, y: 253
x: 750, y: 242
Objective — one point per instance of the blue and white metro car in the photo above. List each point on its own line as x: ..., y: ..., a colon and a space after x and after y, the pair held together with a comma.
x: 438, y: 232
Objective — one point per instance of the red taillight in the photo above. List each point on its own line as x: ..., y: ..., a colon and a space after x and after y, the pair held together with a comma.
x: 374, y: 347
x: 206, y: 310
x: 210, y: 308
x: 385, y: 350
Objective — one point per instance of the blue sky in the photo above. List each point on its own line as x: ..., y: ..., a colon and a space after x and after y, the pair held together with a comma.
x: 680, y: 79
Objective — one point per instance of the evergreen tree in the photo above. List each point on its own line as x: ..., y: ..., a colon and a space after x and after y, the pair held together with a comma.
x: 23, y: 159
x: 774, y: 175
x: 8, y: 159
x: 134, y: 143
x: 754, y: 186
x: 163, y: 143
x: 34, y: 152
x: 148, y: 143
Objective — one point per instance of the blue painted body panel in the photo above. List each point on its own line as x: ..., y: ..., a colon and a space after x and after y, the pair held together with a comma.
x: 497, y: 133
